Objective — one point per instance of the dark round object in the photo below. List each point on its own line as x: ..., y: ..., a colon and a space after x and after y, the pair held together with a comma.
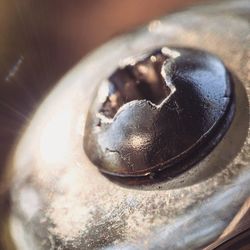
x: 158, y: 114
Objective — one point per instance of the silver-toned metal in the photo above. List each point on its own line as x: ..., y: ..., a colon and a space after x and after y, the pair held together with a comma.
x: 59, y: 199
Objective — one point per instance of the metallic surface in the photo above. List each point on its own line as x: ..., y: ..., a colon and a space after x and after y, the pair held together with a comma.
x: 236, y: 235
x: 59, y: 199
x: 157, y: 116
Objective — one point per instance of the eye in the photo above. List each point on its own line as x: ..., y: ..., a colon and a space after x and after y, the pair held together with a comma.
x: 142, y: 145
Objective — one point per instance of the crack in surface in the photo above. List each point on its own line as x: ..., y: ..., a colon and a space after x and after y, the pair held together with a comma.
x: 130, y: 76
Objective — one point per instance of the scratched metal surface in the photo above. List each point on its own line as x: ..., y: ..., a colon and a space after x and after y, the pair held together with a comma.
x: 60, y: 200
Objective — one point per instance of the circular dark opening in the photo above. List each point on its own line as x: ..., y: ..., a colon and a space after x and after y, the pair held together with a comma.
x: 141, y: 80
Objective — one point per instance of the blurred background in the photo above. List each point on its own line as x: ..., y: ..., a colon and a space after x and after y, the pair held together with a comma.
x: 42, y: 39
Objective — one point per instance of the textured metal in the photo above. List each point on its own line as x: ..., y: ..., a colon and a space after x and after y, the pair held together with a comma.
x: 59, y: 199
x: 159, y: 139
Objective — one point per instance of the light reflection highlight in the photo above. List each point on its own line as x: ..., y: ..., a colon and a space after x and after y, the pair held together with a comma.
x: 55, y: 143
